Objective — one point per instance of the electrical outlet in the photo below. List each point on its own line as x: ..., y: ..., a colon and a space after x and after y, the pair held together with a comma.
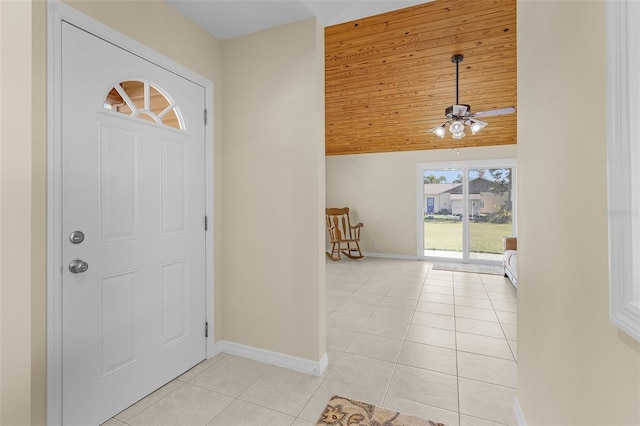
x: 376, y: 246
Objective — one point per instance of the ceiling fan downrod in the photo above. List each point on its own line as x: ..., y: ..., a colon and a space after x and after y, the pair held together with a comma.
x: 456, y: 59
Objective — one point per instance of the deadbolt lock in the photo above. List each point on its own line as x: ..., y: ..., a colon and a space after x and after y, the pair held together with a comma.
x: 76, y: 237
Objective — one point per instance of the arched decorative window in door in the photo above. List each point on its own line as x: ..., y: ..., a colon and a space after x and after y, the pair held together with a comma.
x: 143, y: 100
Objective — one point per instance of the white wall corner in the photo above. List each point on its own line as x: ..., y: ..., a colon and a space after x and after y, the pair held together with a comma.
x: 517, y: 411
x: 290, y: 362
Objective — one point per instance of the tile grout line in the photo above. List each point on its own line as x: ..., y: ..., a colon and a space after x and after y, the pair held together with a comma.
x: 502, y: 328
x: 492, y: 309
x: 455, y: 335
x: 155, y: 402
x: 395, y: 364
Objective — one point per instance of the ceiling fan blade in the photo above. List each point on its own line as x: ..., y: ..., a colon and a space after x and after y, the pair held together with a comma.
x: 507, y: 110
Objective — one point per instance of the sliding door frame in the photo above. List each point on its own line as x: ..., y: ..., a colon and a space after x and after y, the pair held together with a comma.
x: 465, y: 166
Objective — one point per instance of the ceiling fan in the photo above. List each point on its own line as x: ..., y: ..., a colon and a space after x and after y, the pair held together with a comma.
x: 460, y: 115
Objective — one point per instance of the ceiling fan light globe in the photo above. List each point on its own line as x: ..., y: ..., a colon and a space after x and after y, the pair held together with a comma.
x: 458, y: 135
x: 456, y: 127
x: 439, y: 132
x: 476, y: 127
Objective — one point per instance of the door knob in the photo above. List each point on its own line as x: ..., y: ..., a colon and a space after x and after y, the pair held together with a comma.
x: 78, y: 266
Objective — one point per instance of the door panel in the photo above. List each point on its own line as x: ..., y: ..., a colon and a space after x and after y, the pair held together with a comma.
x: 118, y: 328
x: 135, y: 187
x: 174, y: 298
x: 119, y: 195
x: 174, y: 186
x: 442, y: 224
x: 490, y: 212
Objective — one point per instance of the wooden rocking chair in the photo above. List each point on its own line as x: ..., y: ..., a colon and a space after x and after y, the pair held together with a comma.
x: 341, y: 232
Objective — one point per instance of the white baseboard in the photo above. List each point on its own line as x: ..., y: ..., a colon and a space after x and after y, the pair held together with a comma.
x: 290, y: 362
x: 390, y: 256
x: 517, y: 411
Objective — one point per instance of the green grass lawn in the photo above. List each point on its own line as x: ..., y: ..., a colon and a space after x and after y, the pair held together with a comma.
x: 446, y: 234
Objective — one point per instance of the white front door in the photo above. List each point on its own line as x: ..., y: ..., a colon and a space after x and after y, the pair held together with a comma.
x: 134, y: 185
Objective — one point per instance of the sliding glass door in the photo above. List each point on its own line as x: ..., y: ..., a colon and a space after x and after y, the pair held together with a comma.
x: 442, y: 227
x: 465, y: 210
x: 490, y: 211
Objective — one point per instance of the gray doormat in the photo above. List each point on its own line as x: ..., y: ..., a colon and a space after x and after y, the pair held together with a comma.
x: 469, y: 267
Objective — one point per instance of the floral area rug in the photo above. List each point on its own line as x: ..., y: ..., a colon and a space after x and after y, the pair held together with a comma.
x: 342, y: 411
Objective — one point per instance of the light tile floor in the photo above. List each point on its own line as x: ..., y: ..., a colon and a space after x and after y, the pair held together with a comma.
x: 435, y: 344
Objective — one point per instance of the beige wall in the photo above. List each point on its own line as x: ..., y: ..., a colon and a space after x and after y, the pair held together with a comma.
x: 380, y: 190
x: 574, y: 366
x: 22, y: 213
x: 23, y: 156
x: 273, y: 192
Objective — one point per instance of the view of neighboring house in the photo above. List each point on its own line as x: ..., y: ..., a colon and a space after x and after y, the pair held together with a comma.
x: 437, y: 198
x: 446, y: 198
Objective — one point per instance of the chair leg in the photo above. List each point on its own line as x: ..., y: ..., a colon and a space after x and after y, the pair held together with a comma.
x: 334, y: 251
x: 350, y: 250
x: 358, y: 246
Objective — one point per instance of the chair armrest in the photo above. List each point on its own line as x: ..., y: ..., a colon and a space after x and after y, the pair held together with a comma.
x: 354, y: 231
x: 510, y: 243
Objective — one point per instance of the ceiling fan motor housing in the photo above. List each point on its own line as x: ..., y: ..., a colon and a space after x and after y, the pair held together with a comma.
x: 457, y: 111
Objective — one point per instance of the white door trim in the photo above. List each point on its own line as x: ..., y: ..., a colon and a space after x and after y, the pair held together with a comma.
x: 57, y: 13
x: 623, y: 61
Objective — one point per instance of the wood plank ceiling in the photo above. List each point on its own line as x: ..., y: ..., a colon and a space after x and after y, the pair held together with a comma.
x: 389, y: 77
